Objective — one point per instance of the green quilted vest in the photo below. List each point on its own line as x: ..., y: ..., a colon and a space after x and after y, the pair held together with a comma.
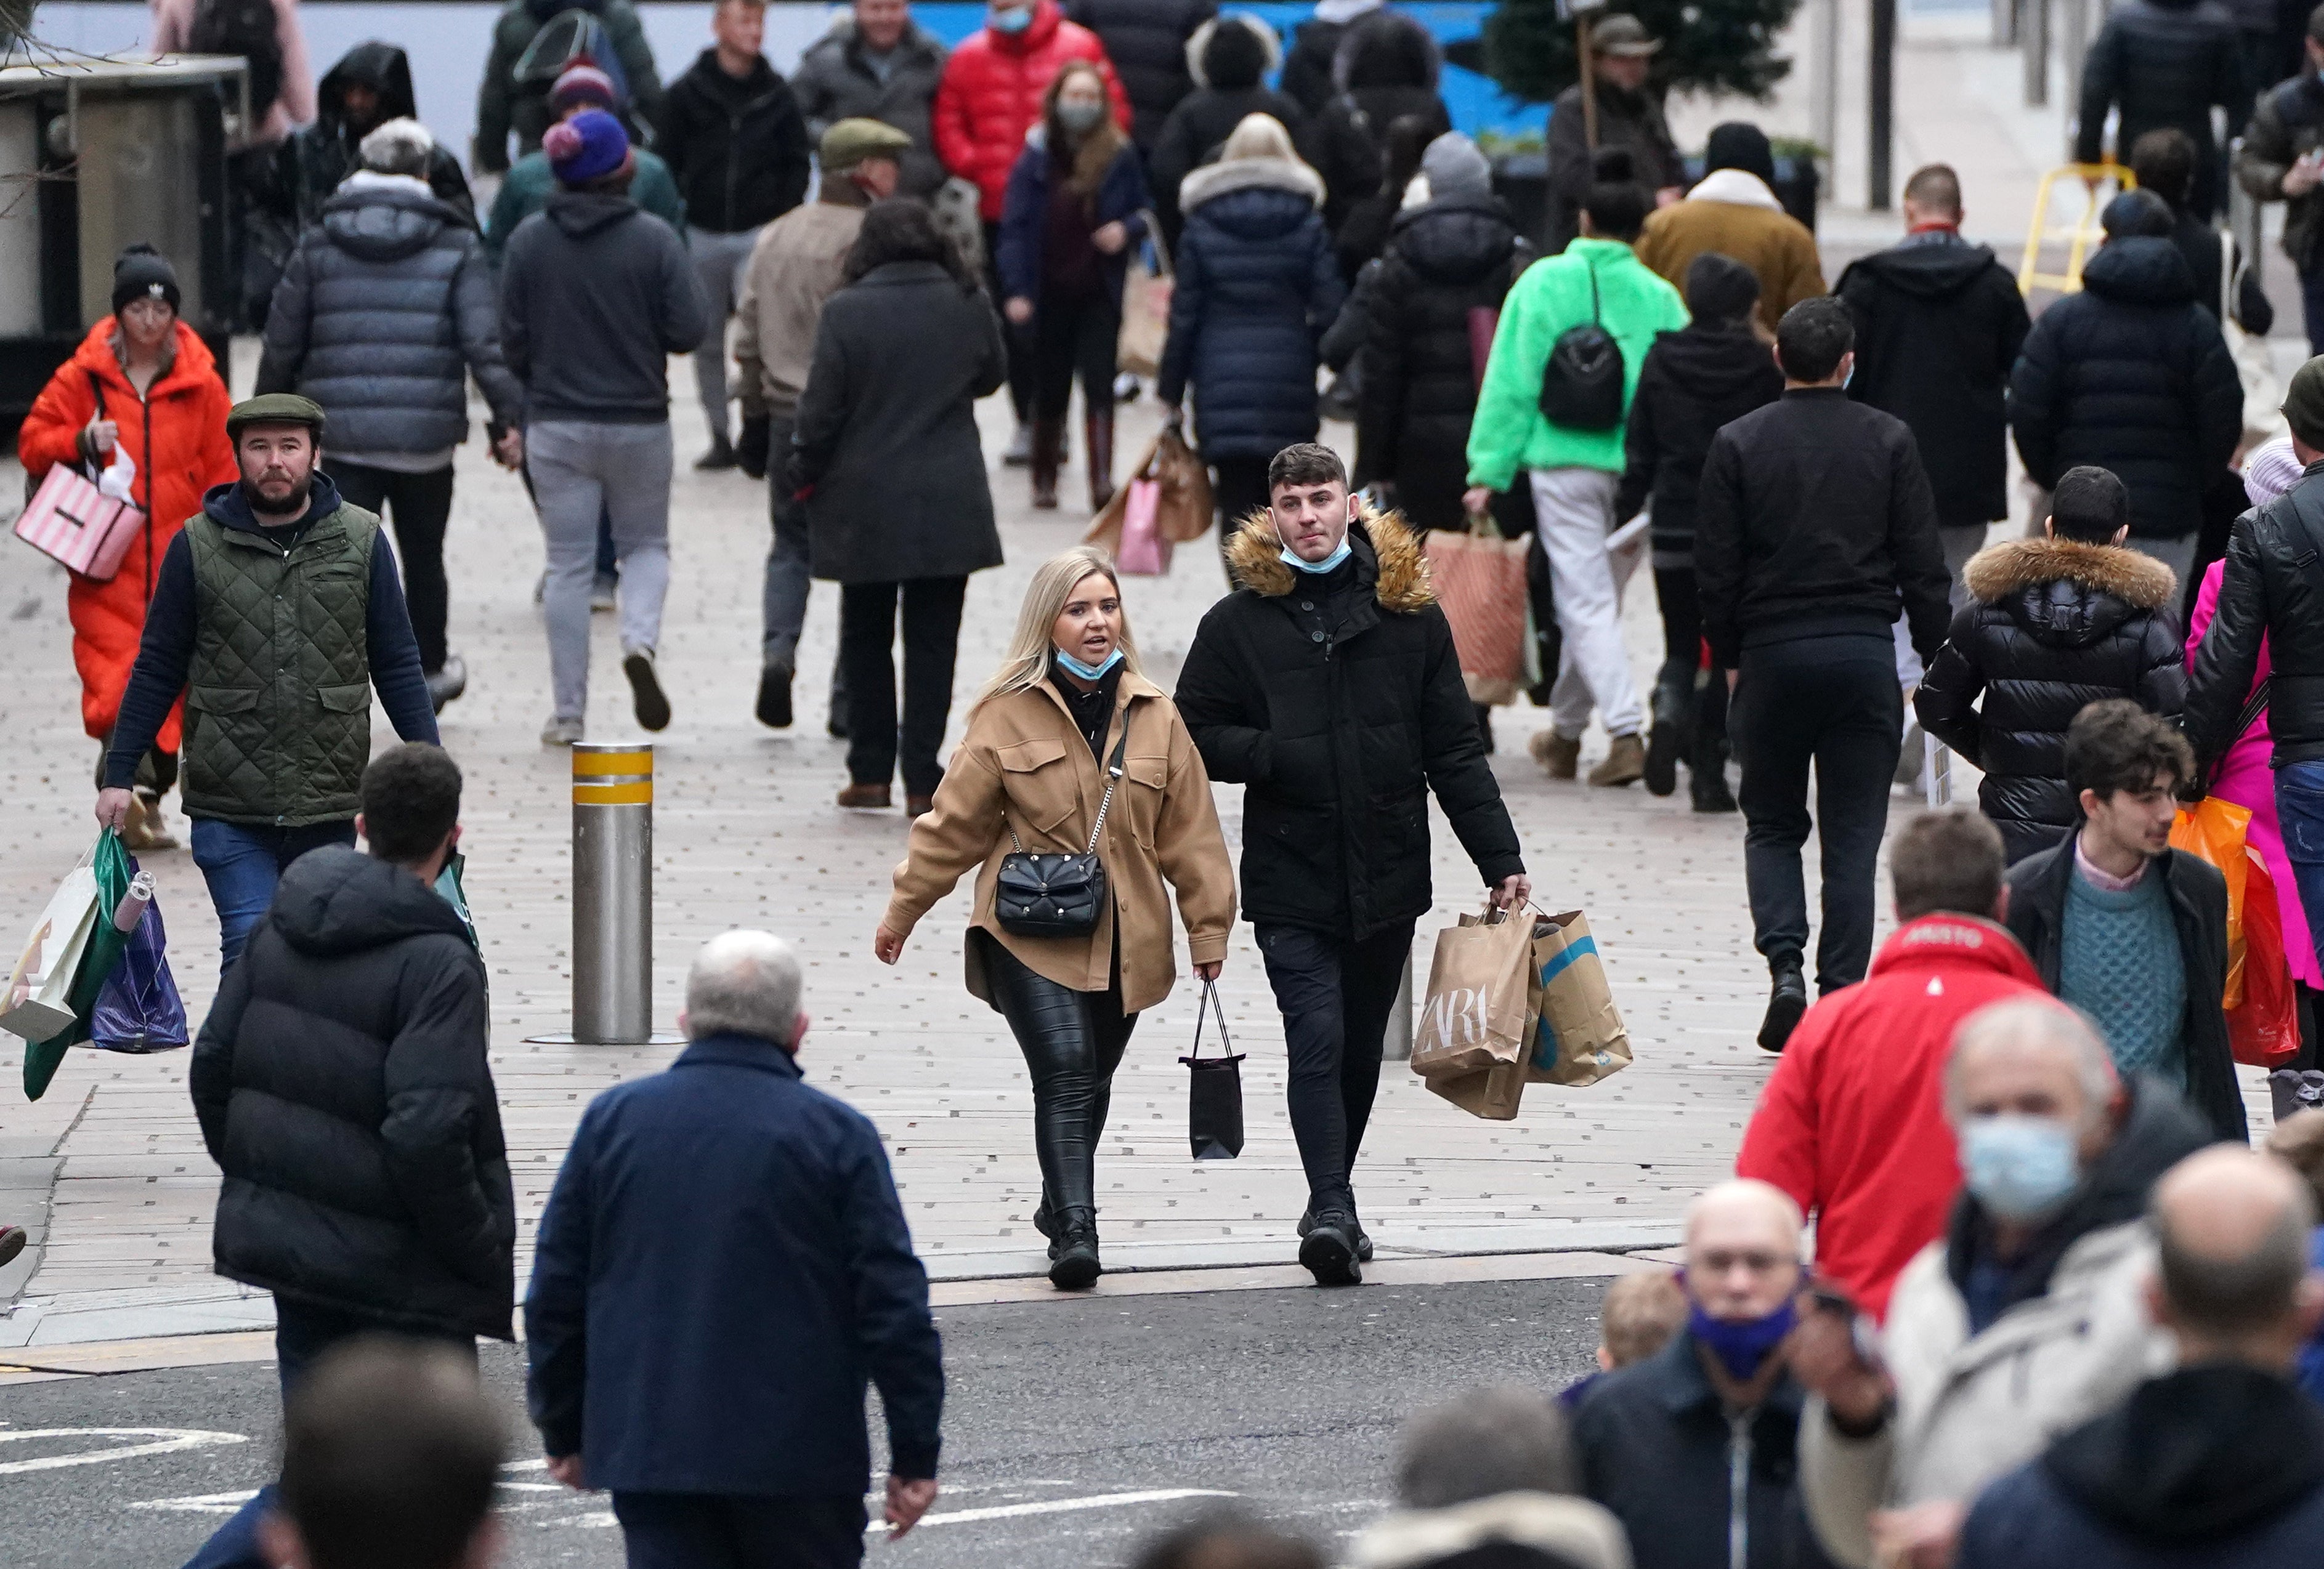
x: 277, y: 699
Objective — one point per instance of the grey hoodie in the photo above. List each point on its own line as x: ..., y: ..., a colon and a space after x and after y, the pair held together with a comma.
x: 596, y: 295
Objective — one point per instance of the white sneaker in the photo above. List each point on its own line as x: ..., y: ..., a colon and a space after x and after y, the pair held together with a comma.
x: 560, y: 732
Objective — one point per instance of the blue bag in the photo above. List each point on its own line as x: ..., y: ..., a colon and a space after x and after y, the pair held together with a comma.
x: 139, y: 1010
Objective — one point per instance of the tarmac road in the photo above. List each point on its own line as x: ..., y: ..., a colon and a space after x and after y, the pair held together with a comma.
x: 1074, y: 1430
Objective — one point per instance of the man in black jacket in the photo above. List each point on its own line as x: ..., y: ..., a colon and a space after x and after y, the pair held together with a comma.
x: 1327, y: 686
x: 1939, y: 323
x: 733, y: 134
x: 342, y: 1087
x: 2282, y: 159
x: 1630, y: 120
x: 2128, y: 929
x: 1814, y: 528
x: 2165, y: 62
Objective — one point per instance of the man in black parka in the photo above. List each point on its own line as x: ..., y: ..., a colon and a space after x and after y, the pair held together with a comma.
x: 342, y: 1088
x: 1328, y: 686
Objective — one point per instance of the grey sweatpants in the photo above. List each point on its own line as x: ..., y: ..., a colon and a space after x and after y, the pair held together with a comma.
x: 578, y: 469
x: 718, y: 259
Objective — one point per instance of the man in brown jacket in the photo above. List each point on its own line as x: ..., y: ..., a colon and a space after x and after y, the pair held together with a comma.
x: 1733, y: 210
x: 794, y: 268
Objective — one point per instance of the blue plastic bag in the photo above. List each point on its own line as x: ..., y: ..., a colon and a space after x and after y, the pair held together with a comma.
x: 139, y: 1010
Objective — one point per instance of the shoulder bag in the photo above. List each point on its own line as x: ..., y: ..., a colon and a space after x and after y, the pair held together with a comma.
x: 1582, y: 383
x: 1057, y: 893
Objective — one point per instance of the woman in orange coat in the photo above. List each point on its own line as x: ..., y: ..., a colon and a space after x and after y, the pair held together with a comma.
x: 143, y: 381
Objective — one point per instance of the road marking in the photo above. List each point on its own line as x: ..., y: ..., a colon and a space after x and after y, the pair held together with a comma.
x: 168, y: 1441
x: 202, y: 1503
x: 1058, y: 1506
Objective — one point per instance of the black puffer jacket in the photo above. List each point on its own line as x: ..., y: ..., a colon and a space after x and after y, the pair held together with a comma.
x: 1228, y: 59
x: 737, y: 144
x: 1705, y: 375
x: 1387, y: 67
x: 1145, y: 40
x: 2273, y: 588
x: 386, y: 307
x: 2131, y: 374
x: 342, y: 1087
x: 2165, y: 62
x: 1444, y: 260
x: 2051, y: 627
x: 314, y: 159
x: 1340, y: 732
x: 1307, y: 71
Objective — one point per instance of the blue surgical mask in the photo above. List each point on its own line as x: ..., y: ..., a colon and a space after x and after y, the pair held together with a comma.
x: 1080, y: 117
x: 1326, y: 565
x: 2020, y: 1168
x: 1741, y: 1347
x: 1016, y: 21
x: 1087, y: 671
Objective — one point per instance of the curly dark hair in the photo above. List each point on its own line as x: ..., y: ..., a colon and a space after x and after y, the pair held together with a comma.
x: 902, y: 229
x: 2115, y: 745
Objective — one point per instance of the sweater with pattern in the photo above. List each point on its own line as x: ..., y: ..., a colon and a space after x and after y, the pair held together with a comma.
x: 2119, y: 962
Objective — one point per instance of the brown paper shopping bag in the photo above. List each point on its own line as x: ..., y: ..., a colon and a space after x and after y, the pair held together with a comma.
x: 1493, y: 1094
x: 1476, y: 1016
x: 1578, y: 1037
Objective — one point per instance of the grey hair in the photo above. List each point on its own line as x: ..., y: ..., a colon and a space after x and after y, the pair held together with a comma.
x: 399, y: 146
x: 2252, y: 1289
x: 2042, y: 1023
x: 1490, y: 1441
x: 744, y: 983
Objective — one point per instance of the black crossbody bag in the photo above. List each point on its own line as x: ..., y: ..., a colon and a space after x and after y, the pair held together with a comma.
x: 1056, y: 892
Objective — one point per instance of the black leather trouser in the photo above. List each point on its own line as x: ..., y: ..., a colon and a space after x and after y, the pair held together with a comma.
x: 1072, y: 1041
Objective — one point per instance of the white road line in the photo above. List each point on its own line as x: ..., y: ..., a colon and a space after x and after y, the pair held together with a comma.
x: 201, y: 1503
x: 169, y: 1441
x: 1058, y: 1506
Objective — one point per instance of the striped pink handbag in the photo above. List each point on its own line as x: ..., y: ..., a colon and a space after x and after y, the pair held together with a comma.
x: 69, y: 520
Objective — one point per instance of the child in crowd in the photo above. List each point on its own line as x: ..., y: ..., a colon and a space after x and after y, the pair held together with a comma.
x: 1640, y: 1315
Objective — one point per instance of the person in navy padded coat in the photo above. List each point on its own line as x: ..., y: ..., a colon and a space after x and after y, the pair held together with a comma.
x: 722, y: 1269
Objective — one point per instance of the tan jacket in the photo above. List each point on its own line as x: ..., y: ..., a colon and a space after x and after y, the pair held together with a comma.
x: 1023, y: 766
x: 793, y: 269
x: 1754, y: 231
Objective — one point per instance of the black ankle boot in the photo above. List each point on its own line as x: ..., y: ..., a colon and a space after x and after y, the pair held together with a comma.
x: 1329, y: 1249
x: 1672, y: 709
x: 1706, y: 781
x: 1073, y: 1261
x: 1787, y: 999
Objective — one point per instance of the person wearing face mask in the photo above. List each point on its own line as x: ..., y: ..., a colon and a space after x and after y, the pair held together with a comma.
x: 1070, y: 749
x: 2026, y: 1318
x: 1691, y: 1449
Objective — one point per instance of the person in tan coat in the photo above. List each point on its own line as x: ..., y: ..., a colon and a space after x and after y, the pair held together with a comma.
x: 1733, y: 211
x: 1071, y: 746
x: 794, y: 267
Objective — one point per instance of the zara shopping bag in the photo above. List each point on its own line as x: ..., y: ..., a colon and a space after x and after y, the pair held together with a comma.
x: 1578, y: 1036
x: 1475, y: 1017
x: 1214, y: 1089
x: 1494, y: 1094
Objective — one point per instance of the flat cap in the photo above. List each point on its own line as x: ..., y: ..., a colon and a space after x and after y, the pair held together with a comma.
x: 1622, y: 34
x: 848, y: 142
x: 274, y: 409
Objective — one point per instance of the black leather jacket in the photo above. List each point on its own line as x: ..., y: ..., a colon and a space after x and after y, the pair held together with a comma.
x: 2272, y: 588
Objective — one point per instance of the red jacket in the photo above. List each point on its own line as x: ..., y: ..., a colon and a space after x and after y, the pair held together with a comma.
x: 991, y: 96
x: 1852, y: 1122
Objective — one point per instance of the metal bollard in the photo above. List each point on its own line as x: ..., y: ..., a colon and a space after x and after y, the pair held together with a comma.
x: 613, y: 895
x: 1395, y: 1044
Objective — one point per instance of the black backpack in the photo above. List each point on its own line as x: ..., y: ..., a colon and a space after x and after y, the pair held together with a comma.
x: 246, y: 28
x: 1581, y: 384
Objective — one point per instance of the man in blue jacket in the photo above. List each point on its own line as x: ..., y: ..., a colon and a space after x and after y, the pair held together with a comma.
x: 722, y: 1269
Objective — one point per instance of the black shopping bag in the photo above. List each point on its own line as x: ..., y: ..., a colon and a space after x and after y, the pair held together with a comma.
x: 1214, y: 1093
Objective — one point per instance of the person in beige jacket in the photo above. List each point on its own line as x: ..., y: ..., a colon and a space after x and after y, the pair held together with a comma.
x: 1068, y: 744
x: 794, y: 267
x: 1733, y: 210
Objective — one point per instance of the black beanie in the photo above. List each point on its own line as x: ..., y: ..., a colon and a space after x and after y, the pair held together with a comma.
x: 1739, y: 144
x: 142, y: 272
x: 1720, y: 288
x: 1235, y: 56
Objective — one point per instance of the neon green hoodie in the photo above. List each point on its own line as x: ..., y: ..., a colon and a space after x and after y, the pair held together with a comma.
x: 1509, y: 433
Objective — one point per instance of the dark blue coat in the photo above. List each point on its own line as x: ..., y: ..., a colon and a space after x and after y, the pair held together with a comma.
x: 1256, y: 287
x: 722, y: 1268
x: 1016, y: 250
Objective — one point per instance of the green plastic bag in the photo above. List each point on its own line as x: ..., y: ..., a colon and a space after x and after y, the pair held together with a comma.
x: 106, y: 943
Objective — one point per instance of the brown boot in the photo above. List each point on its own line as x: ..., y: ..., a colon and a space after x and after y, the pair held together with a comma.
x: 1097, y: 439
x: 1558, y: 755
x: 1048, y: 452
x: 1625, y: 764
x: 864, y: 797
x: 146, y: 829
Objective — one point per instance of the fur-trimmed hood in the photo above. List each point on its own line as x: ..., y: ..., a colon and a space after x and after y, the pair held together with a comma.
x: 2066, y: 594
x: 1563, y: 1531
x: 1259, y: 45
x: 1255, y: 557
x: 1233, y: 174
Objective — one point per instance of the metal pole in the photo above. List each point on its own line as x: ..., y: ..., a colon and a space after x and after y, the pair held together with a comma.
x: 2034, y: 33
x: 1826, y: 107
x: 613, y: 895
x: 2005, y: 24
x: 1396, y: 1043
x: 2073, y: 44
x: 1882, y: 89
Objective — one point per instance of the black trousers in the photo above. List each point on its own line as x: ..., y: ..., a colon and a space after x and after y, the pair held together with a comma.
x: 1335, y: 995
x: 1832, y: 703
x: 1239, y: 487
x: 1018, y: 341
x: 1071, y: 1042
x: 700, y: 1531
x: 1073, y: 334
x: 867, y: 638
x: 421, y: 507
x: 1677, y: 596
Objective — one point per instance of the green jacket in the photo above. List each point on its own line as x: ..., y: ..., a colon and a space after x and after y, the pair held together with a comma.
x: 1551, y: 296
x: 527, y: 187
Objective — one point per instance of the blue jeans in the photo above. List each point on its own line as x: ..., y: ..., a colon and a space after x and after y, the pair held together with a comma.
x: 302, y: 1335
x: 243, y: 862
x: 2300, y: 807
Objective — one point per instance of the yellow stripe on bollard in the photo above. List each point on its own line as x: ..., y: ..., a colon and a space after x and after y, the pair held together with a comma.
x: 622, y: 793
x: 628, y: 760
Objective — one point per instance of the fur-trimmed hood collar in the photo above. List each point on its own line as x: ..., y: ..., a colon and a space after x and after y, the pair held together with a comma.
x: 1401, y: 584
x: 2066, y: 594
x: 1233, y: 174
x: 1562, y: 1531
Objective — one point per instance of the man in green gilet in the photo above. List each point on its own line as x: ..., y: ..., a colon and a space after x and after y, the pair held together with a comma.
x: 276, y: 613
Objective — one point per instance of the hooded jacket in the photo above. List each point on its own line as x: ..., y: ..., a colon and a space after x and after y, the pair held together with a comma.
x: 737, y: 146
x: 176, y: 435
x: 1339, y: 735
x: 1228, y: 59
x: 2221, y: 1466
x: 1508, y: 1530
x: 596, y: 295
x: 1316, y: 46
x: 316, y: 159
x: 343, y: 1088
x: 1703, y: 376
x: 1732, y: 211
x: 2051, y: 627
x: 835, y: 82
x: 2131, y: 374
x: 991, y: 96
x: 2164, y: 63
x: 1146, y: 41
x: 384, y: 310
x: 1387, y: 66
x: 1257, y: 286
x: 504, y: 104
x: 2072, y: 1339
x: 2270, y: 594
x: 1446, y: 260
x: 1852, y: 1122
x: 1938, y: 323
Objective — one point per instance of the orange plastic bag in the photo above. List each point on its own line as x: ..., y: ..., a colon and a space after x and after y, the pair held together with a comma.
x: 2212, y: 830
x: 2264, y: 1024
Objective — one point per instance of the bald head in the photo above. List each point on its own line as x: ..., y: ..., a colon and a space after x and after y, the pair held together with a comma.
x: 743, y: 983
x: 1742, y: 1249
x: 2232, y: 1227
x: 2033, y: 1057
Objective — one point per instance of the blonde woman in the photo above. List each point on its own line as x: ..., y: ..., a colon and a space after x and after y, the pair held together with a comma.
x: 1067, y: 715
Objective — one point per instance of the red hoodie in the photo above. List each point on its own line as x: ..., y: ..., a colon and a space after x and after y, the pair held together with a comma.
x: 1852, y: 1122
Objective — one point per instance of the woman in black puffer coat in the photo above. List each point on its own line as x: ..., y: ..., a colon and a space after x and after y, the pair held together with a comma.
x: 2052, y: 625
x: 1229, y: 59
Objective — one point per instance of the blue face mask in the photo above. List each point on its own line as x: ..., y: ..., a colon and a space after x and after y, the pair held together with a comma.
x: 1086, y: 672
x: 1016, y: 21
x: 1326, y: 565
x: 2020, y: 1167
x: 1742, y: 1348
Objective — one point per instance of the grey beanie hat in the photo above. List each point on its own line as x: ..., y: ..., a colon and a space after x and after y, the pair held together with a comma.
x: 1454, y: 166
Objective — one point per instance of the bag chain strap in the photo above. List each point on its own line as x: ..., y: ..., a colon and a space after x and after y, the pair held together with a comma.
x: 1113, y: 770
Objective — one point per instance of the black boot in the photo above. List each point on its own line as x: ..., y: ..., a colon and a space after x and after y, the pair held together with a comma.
x: 1706, y: 778
x: 1073, y: 1260
x: 1787, y: 999
x: 1329, y: 1249
x: 1048, y: 456
x: 1673, y: 722
x: 1363, y: 1237
x: 1097, y: 443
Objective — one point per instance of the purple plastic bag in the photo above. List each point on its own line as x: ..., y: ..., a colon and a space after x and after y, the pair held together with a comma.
x: 138, y: 1009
